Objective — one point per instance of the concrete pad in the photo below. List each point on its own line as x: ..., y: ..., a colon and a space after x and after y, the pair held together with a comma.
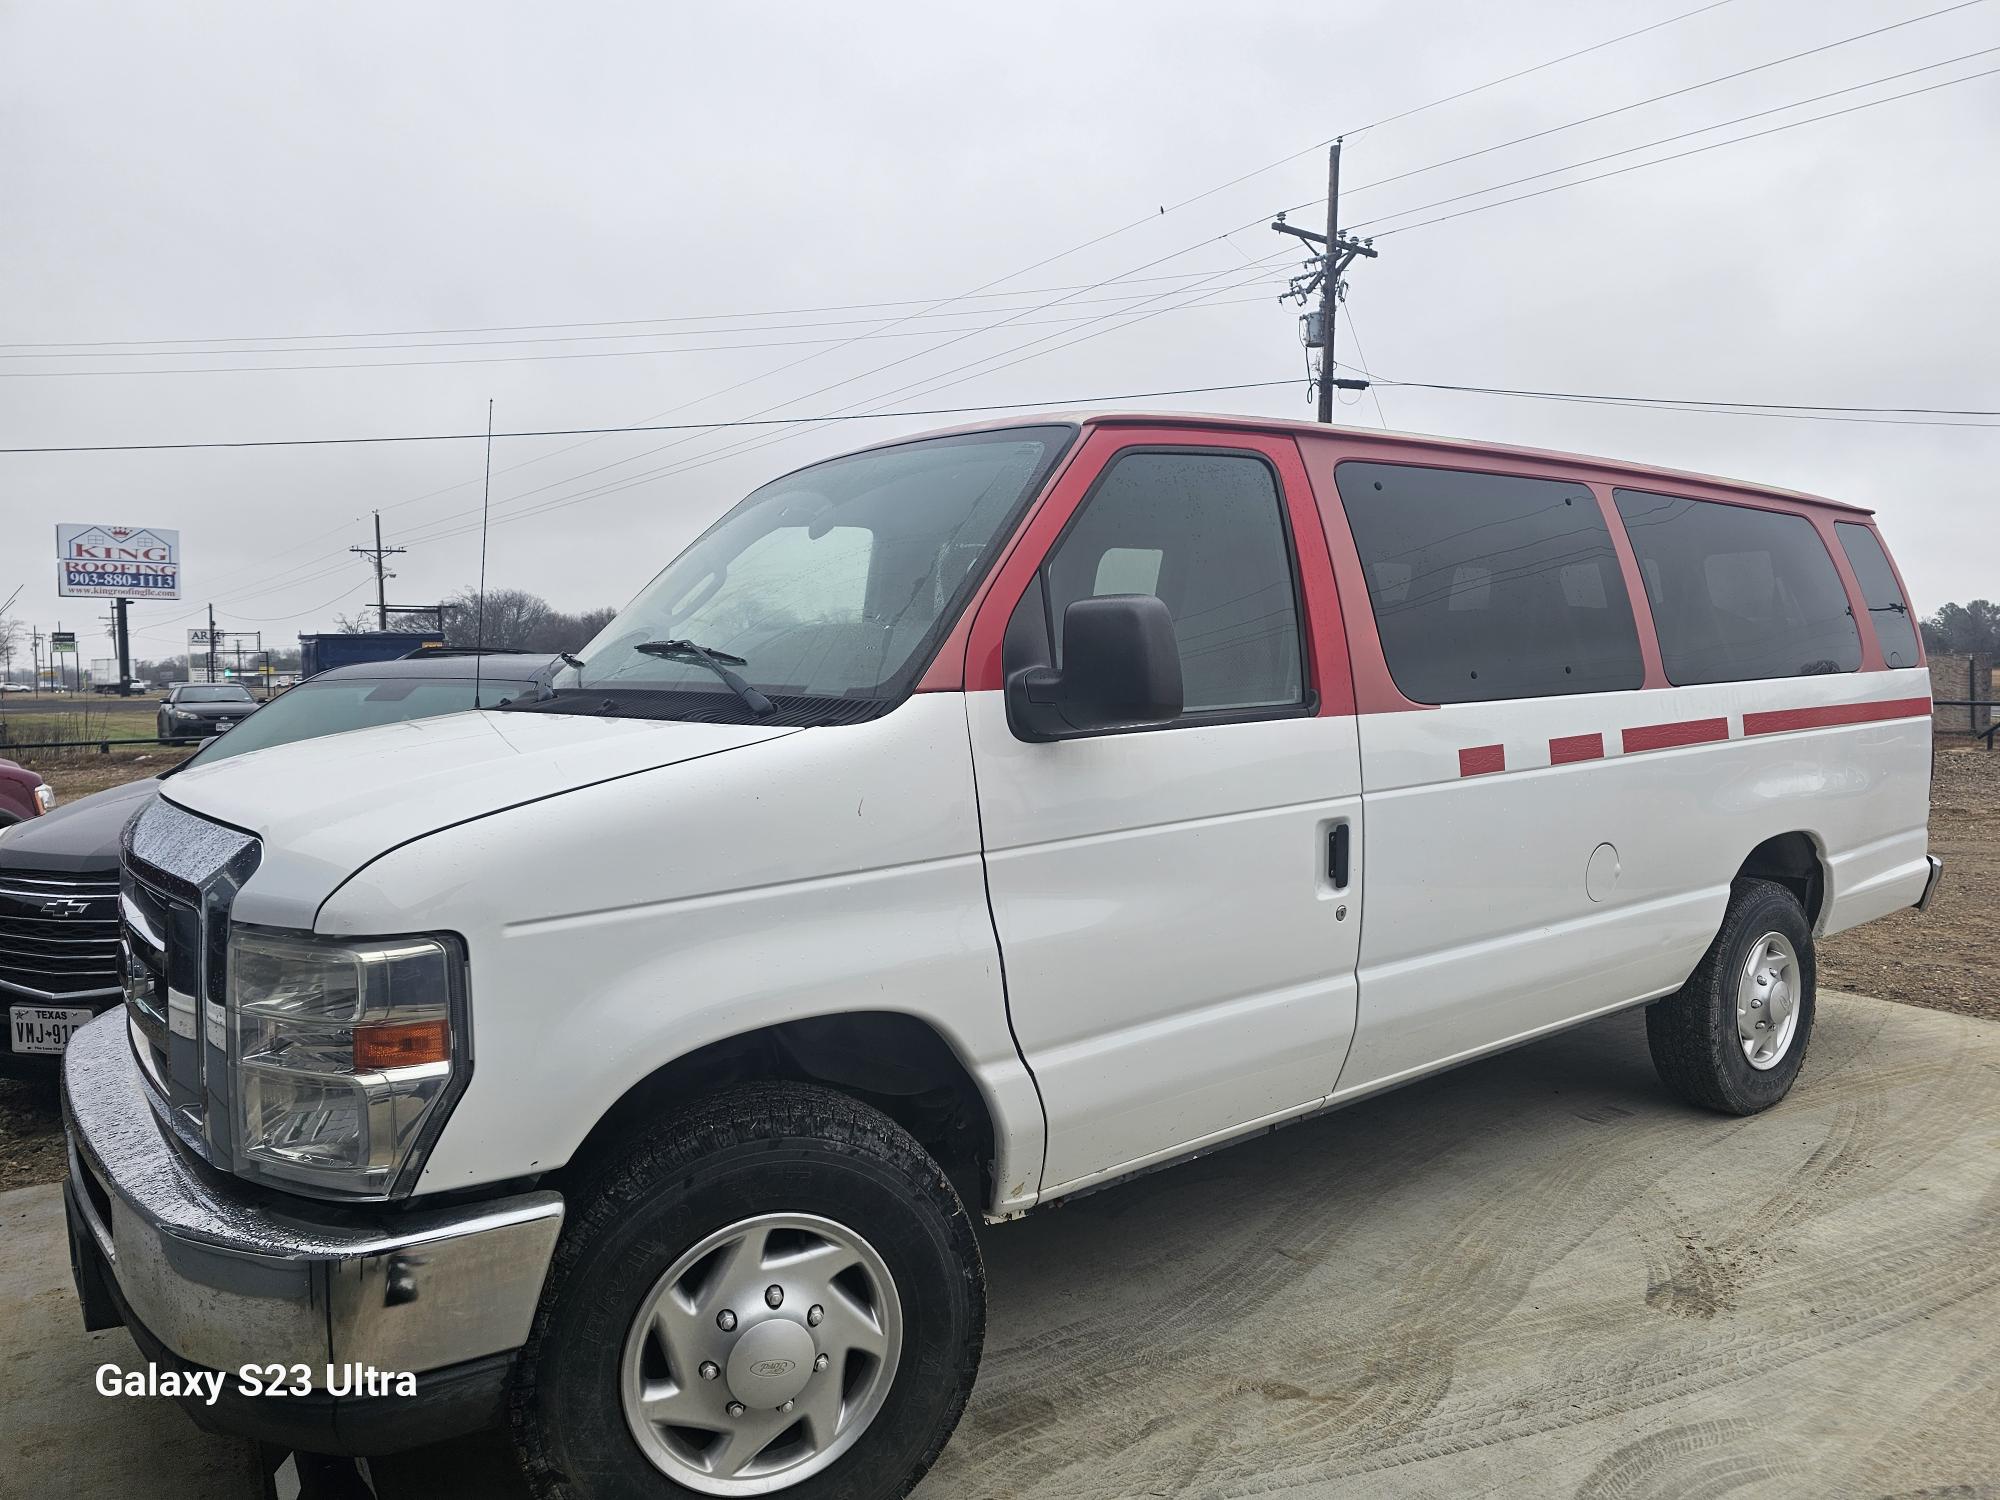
x: 1534, y: 1276
x: 58, y: 1436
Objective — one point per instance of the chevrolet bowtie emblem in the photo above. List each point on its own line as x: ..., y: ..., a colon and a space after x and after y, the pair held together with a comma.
x: 65, y: 906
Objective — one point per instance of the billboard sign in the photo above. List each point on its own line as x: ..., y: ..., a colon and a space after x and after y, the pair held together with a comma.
x: 118, y: 562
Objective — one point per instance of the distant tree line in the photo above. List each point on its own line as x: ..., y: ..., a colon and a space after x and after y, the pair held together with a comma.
x: 1971, y: 629
x: 512, y: 620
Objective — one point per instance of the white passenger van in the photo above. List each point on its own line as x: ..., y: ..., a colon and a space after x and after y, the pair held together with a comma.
x: 956, y: 826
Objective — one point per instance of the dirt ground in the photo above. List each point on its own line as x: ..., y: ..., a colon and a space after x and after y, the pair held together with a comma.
x: 1939, y: 958
x: 1936, y: 959
x: 85, y: 769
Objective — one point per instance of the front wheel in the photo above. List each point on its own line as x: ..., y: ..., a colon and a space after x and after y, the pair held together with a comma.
x: 776, y: 1291
x: 1733, y: 1037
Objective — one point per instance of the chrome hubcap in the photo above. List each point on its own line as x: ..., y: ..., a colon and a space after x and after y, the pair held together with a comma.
x: 761, y: 1355
x: 1767, y: 1001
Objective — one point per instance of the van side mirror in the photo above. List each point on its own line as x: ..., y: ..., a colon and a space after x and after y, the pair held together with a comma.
x: 1121, y: 670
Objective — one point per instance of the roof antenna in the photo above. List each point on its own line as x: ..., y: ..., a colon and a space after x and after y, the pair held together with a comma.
x: 479, y: 614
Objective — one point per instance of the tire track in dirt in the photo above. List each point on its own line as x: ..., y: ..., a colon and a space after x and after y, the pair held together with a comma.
x: 1909, y: 1271
x: 1202, y: 1389
x: 1924, y: 1273
x: 1387, y: 1380
x: 1691, y: 1461
x: 1702, y: 1273
x: 1705, y: 1272
x: 1970, y: 1402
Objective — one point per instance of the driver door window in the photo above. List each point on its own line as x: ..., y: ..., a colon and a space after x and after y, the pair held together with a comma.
x: 1205, y: 533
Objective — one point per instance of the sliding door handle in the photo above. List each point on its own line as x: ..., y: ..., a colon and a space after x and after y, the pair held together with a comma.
x: 1339, y: 841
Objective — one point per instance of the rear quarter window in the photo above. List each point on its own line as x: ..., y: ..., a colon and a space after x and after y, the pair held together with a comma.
x: 1738, y: 593
x: 1488, y: 586
x: 1894, y: 627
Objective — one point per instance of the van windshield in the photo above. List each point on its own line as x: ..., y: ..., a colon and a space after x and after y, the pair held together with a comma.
x: 831, y: 583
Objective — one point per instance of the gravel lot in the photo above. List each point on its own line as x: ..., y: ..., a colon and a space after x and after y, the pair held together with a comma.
x: 1939, y: 958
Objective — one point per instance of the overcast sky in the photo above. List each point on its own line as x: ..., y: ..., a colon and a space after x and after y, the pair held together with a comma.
x: 259, y: 171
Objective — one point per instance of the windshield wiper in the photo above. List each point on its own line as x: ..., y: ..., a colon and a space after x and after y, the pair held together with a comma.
x: 717, y: 662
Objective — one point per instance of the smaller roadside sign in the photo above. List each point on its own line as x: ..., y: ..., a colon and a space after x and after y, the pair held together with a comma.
x: 62, y: 643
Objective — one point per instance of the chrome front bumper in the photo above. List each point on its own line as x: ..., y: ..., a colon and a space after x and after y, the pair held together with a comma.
x: 224, y: 1275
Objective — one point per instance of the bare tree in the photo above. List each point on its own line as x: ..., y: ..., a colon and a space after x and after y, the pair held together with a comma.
x: 516, y: 620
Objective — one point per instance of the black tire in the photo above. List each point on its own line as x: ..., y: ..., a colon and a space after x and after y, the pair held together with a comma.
x: 744, y: 1151
x: 1692, y: 1033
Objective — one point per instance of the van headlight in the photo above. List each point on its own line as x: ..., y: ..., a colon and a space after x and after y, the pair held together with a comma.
x: 347, y: 1055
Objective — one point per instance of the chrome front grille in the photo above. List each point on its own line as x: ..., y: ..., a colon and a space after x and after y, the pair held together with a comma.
x: 59, y: 936
x: 180, y: 878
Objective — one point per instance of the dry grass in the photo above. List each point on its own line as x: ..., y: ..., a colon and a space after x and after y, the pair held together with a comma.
x: 86, y: 764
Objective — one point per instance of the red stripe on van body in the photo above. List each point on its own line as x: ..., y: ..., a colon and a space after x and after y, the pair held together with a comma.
x: 1482, y: 760
x: 1667, y: 736
x: 1781, y: 720
x: 1574, y: 747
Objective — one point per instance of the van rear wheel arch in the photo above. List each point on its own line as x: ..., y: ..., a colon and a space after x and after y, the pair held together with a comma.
x: 1796, y: 861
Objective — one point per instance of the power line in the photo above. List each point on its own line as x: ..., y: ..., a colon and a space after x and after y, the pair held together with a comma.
x: 578, y: 338
x: 1405, y: 114
x: 1607, y: 114
x: 980, y: 293
x: 1879, y: 416
x: 925, y: 385
x: 1911, y: 416
x: 497, y: 359
x: 976, y: 292
x: 543, y: 432
x: 797, y: 425
x: 1666, y: 140
x: 392, y: 333
x: 281, y: 619
x: 985, y: 289
x: 1679, y: 155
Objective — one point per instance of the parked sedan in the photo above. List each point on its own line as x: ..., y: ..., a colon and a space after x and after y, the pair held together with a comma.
x: 59, y: 954
x: 196, y: 710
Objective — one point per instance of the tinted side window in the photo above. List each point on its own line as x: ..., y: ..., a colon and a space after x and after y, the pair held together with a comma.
x: 1738, y: 593
x: 1488, y: 586
x: 1205, y: 534
x: 1886, y: 605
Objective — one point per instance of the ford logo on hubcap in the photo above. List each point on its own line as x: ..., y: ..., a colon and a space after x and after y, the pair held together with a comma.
x: 771, y: 1369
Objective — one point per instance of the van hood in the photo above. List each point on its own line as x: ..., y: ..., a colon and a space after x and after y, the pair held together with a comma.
x: 326, y: 807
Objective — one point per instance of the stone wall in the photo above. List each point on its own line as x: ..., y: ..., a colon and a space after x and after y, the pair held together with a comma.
x: 1961, y: 677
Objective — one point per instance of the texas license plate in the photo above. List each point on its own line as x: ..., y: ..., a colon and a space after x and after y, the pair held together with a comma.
x: 41, y: 1028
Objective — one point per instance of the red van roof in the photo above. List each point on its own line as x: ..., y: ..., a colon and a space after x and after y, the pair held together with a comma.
x: 1609, y: 470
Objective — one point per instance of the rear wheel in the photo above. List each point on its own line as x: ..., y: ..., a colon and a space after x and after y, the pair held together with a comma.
x: 1734, y: 1036
x: 775, y: 1292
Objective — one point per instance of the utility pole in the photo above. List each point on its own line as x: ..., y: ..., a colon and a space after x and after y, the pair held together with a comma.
x: 376, y: 553
x: 121, y: 633
x: 1323, y: 275
x: 211, y: 644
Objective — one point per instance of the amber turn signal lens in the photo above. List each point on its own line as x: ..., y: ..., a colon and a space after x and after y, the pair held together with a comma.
x: 401, y: 1046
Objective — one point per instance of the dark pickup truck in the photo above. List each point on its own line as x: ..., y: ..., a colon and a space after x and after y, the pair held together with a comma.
x: 59, y: 953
